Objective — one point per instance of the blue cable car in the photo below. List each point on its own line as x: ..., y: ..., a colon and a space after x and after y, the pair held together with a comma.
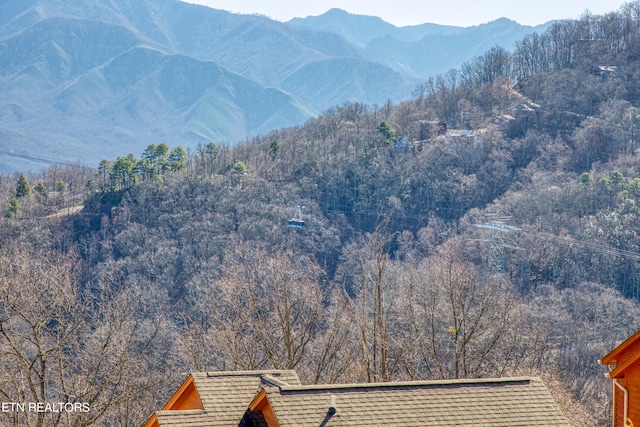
x: 297, y: 221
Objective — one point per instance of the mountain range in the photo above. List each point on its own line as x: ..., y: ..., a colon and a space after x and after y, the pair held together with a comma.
x: 85, y: 81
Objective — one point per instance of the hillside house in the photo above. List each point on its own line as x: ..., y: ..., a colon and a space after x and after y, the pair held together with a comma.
x: 624, y: 365
x: 607, y: 71
x: 503, y: 121
x: 278, y: 399
x: 403, y: 145
x: 471, y: 137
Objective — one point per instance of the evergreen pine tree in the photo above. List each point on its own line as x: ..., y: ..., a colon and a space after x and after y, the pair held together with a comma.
x: 41, y: 189
x: 23, y: 188
x: 13, y: 208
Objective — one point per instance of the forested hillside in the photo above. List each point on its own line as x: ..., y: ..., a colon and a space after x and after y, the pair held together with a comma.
x: 488, y: 227
x: 83, y: 81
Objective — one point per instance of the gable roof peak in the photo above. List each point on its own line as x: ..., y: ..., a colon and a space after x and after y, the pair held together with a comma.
x: 628, y: 347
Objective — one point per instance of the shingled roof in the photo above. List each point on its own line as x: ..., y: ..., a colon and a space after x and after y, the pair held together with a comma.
x: 493, y: 402
x: 215, y: 399
x: 277, y: 399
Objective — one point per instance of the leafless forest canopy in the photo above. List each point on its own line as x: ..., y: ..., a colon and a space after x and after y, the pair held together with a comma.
x: 486, y: 227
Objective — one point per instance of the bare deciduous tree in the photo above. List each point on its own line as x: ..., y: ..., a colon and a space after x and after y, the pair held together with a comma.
x: 268, y: 310
x: 374, y: 304
x: 465, y: 325
x: 87, y: 355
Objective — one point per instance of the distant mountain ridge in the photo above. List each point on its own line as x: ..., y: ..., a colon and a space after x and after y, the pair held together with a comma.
x: 83, y: 81
x: 362, y: 29
x: 419, y: 50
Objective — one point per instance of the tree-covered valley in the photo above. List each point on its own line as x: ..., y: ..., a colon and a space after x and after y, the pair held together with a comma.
x: 487, y: 227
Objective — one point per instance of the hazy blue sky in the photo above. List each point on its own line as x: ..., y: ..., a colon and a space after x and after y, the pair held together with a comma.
x: 410, y: 12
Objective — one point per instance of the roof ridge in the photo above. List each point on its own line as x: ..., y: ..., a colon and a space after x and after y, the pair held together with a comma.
x: 267, y: 378
x: 258, y: 373
x: 404, y: 384
x: 180, y: 412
